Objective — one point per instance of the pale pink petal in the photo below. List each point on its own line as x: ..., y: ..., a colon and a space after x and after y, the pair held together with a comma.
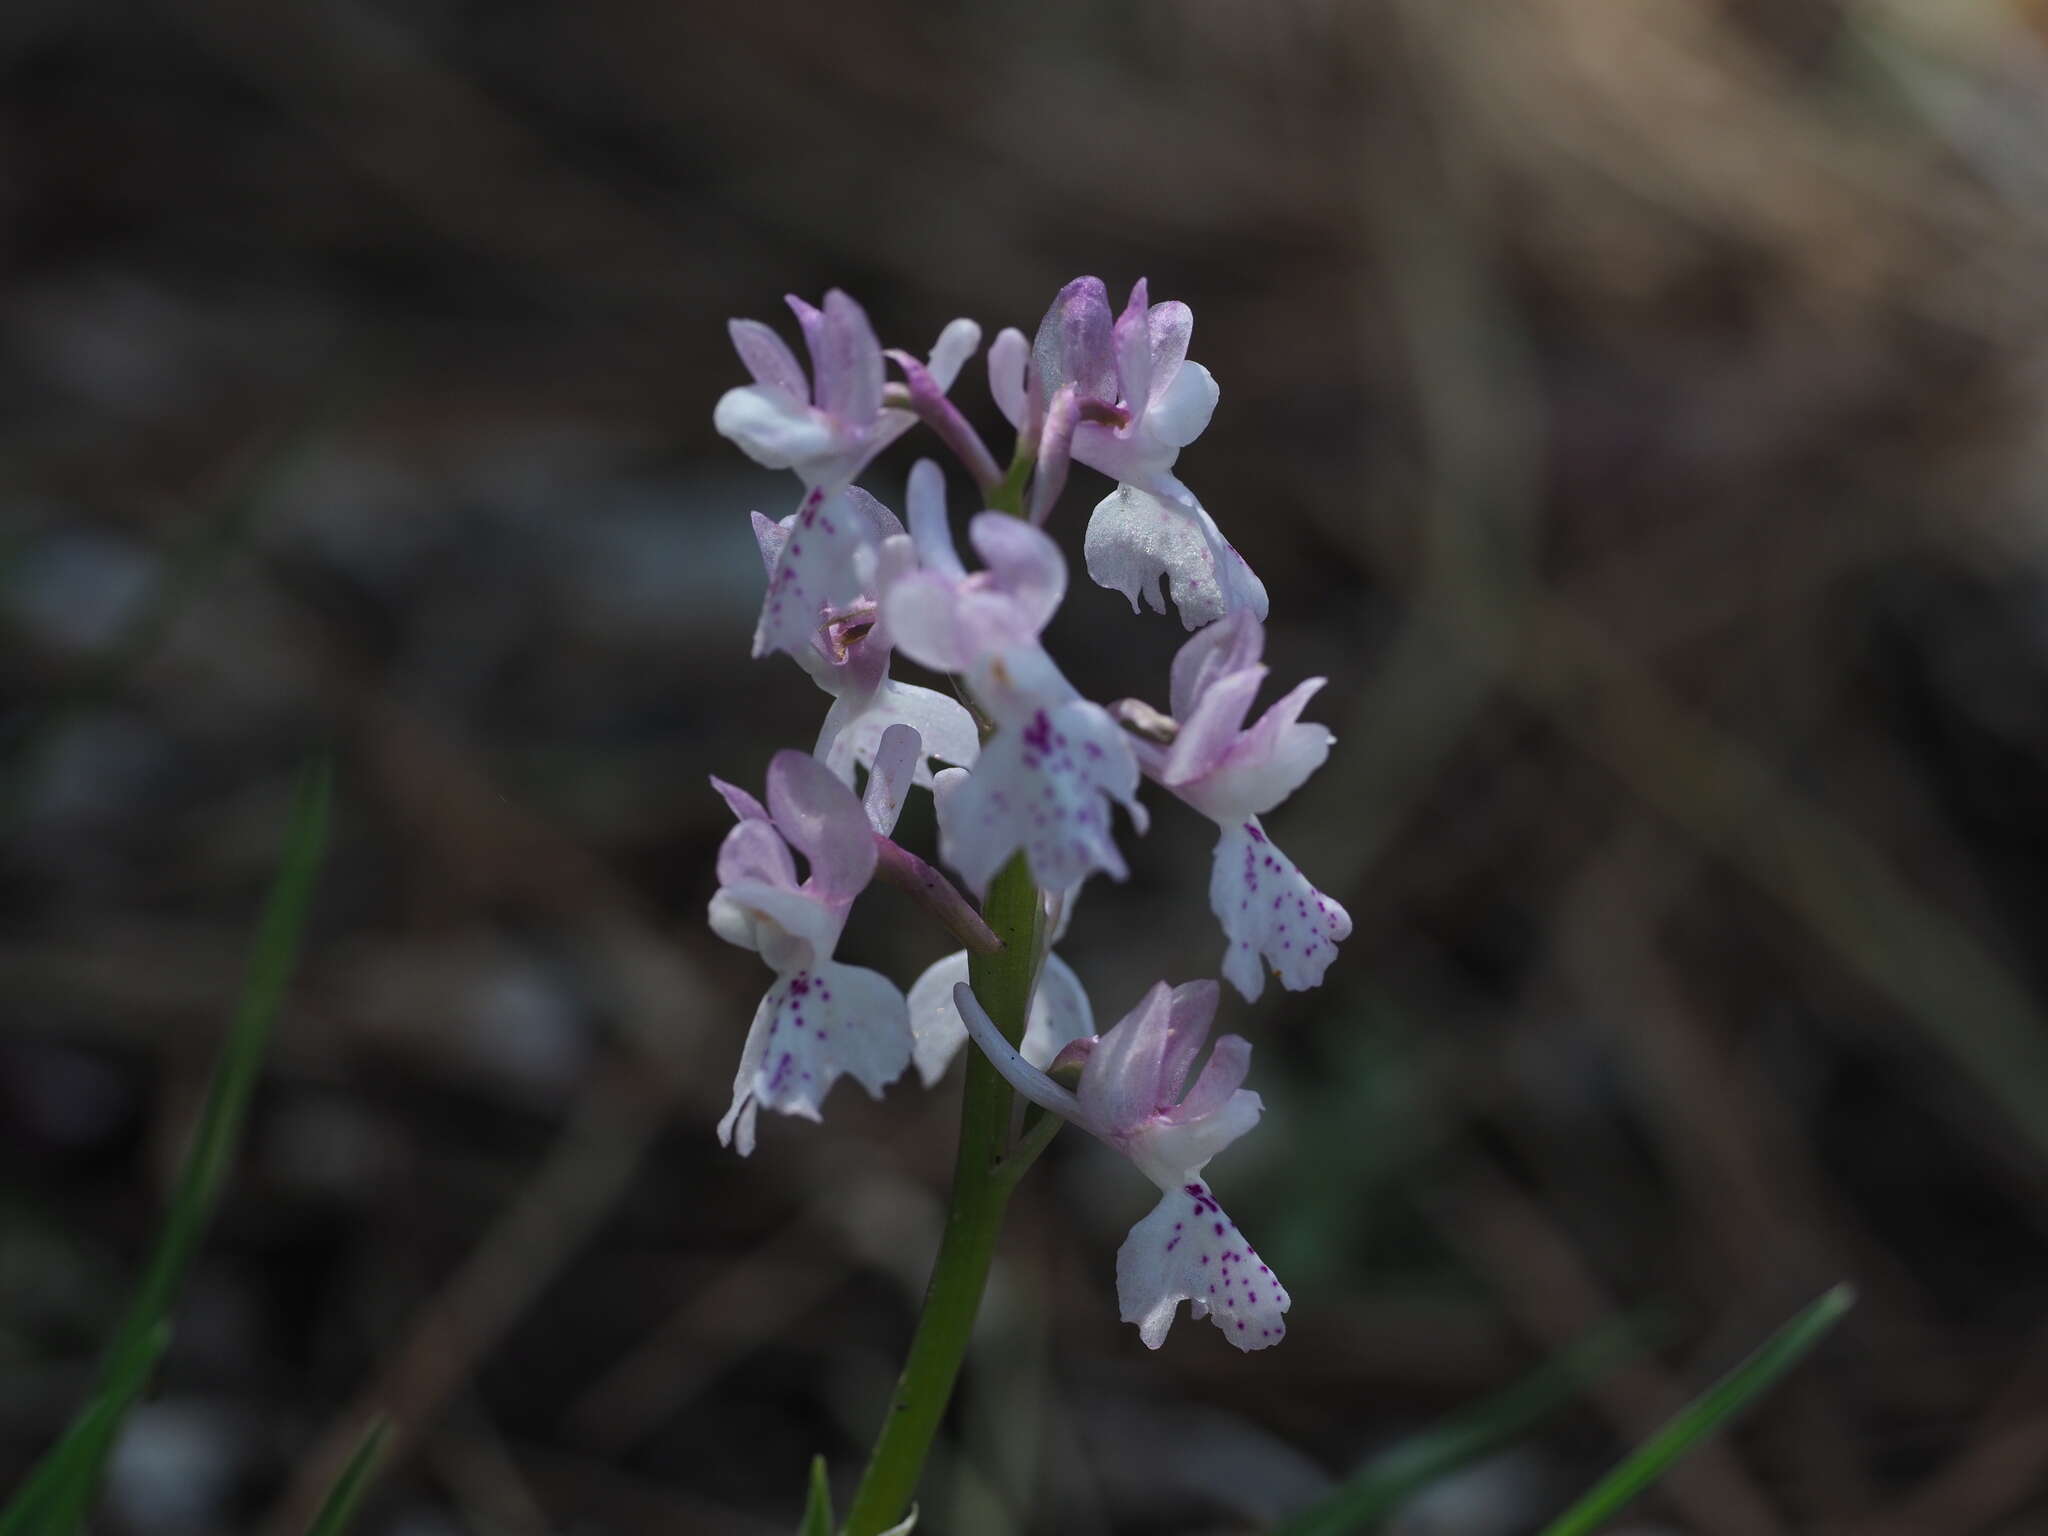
x: 1170, y: 1151
x: 1188, y: 1250
x: 819, y: 1024
x: 768, y: 359
x: 769, y: 537
x: 1264, y: 765
x: 942, y: 724
x: 935, y: 1028
x: 771, y: 428
x: 744, y: 806
x: 823, y: 821
x: 849, y: 366
x: 1213, y: 729
x: 736, y: 1126
x: 930, y: 531
x: 819, y: 571
x: 1059, y: 1014
x: 1044, y: 786
x: 753, y: 851
x: 1213, y: 652
x: 786, y: 927
x: 949, y: 354
x: 1170, y: 324
x: 811, y: 321
x: 1008, y: 357
x: 1177, y: 417
x: 1122, y: 1086
x: 1191, y: 1009
x: 1222, y: 1075
x: 1074, y: 344
x: 896, y: 760
x: 1135, y: 538
x: 1134, y: 350
x: 1025, y: 565
x: 1271, y: 915
x: 922, y: 611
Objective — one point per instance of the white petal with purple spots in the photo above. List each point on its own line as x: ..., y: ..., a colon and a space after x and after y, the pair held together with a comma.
x: 1271, y: 915
x: 1189, y: 1250
x: 812, y: 1027
x: 1043, y: 785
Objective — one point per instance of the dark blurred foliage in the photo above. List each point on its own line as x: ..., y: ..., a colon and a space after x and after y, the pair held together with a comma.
x: 1634, y: 410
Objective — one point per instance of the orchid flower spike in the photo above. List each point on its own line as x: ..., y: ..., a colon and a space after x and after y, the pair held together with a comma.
x: 846, y: 650
x: 1135, y: 402
x: 1132, y: 1094
x: 819, y: 1018
x: 1271, y: 915
x: 1044, y: 780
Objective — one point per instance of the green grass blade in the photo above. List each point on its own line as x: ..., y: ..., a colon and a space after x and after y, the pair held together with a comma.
x: 818, y: 1506
x: 1705, y: 1414
x: 1390, y: 1480
x: 54, y: 1499
x: 339, y: 1507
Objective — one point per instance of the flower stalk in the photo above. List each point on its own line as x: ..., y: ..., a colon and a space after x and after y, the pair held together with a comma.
x: 974, y: 1216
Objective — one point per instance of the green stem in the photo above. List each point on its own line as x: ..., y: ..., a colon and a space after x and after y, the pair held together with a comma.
x: 1002, y: 982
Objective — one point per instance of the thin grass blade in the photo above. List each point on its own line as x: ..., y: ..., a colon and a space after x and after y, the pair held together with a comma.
x: 54, y: 1499
x: 339, y: 1507
x: 1390, y: 1480
x: 818, y: 1506
x: 1704, y: 1414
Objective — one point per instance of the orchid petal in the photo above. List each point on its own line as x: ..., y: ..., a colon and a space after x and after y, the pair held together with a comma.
x: 1191, y: 1009
x: 1180, y: 411
x: 769, y: 537
x: 1133, y: 339
x: 849, y: 363
x: 1075, y: 345
x: 1215, y: 651
x: 815, y: 1026
x: 1170, y: 325
x: 1134, y: 538
x: 1059, y: 1014
x: 744, y: 806
x: 768, y: 359
x: 896, y: 759
x: 944, y: 727
x: 822, y: 820
x: 930, y: 530
x: 1009, y: 355
x: 1122, y: 1086
x: 787, y: 927
x: 1208, y: 734
x: 1025, y: 565
x: 1271, y: 915
x: 1264, y: 765
x: 818, y: 570
x: 771, y: 428
x: 1043, y: 786
x: 1187, y: 1249
x: 950, y: 352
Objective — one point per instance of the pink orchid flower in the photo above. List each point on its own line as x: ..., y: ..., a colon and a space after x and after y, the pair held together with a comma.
x: 1133, y: 1094
x: 848, y: 648
x: 1134, y: 402
x: 819, y: 1018
x: 826, y: 427
x: 1270, y: 914
x: 1044, y: 780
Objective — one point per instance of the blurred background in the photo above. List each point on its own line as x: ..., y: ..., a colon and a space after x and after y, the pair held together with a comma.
x: 1635, y: 411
